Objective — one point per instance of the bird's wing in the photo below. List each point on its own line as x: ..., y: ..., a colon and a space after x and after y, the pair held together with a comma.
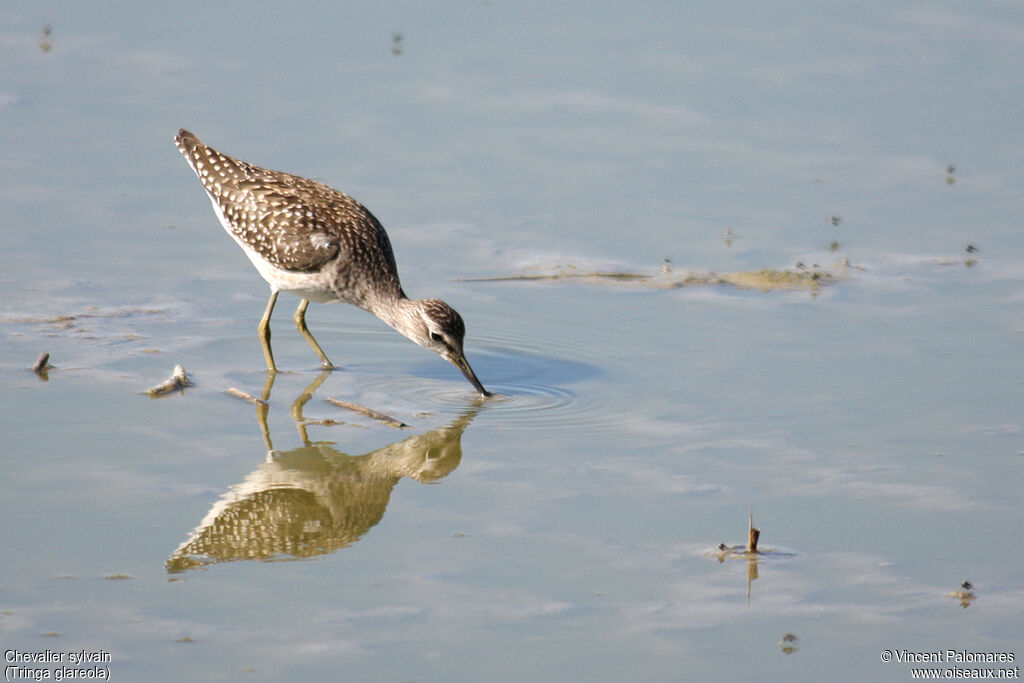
x: 292, y: 222
x: 284, y: 224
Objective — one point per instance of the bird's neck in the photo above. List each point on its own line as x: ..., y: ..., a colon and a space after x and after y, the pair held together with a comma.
x: 398, y: 312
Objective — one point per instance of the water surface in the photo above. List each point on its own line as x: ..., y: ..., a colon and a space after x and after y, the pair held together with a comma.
x: 567, y: 529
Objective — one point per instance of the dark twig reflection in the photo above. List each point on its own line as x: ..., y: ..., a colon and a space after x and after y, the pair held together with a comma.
x: 314, y: 499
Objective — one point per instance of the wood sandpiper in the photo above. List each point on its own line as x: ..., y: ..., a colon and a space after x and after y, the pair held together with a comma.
x: 320, y: 245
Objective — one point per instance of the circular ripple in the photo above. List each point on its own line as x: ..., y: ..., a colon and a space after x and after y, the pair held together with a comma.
x: 522, y: 401
x: 544, y: 408
x: 549, y: 389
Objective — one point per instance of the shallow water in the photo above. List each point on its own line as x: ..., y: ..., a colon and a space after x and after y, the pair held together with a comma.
x: 568, y: 528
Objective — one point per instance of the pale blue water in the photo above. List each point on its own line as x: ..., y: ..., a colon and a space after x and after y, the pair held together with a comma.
x: 875, y: 427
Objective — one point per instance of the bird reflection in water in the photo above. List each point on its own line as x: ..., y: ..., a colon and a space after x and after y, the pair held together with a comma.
x: 314, y: 499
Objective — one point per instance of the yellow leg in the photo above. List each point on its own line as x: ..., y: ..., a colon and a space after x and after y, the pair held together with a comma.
x: 262, y: 408
x: 300, y: 322
x: 264, y: 330
x: 301, y: 402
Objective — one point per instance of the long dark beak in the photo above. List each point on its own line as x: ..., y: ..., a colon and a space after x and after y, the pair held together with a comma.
x: 462, y: 364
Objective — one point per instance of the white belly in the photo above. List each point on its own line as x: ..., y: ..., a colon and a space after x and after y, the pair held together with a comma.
x: 316, y: 286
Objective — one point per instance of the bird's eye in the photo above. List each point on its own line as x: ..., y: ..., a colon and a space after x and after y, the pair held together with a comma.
x: 436, y: 337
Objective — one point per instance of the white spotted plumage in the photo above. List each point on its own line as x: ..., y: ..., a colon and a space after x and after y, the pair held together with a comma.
x: 320, y: 244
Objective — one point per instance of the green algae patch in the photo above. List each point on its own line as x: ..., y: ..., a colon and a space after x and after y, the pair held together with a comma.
x: 767, y: 280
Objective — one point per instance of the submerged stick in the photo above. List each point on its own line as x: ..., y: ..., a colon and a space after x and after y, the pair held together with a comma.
x: 752, y: 534
x: 40, y: 367
x: 238, y: 393
x: 386, y: 419
x: 178, y: 380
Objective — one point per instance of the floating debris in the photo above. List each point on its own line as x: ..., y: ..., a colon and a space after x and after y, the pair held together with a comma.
x: 67, y: 321
x: 42, y: 365
x: 750, y: 550
x: 386, y: 419
x: 950, y: 175
x: 787, y: 644
x: 965, y: 595
x: 752, y: 534
x: 396, y: 43
x: 326, y: 422
x: 766, y: 279
x: 238, y: 393
x: 44, y: 39
x: 177, y: 381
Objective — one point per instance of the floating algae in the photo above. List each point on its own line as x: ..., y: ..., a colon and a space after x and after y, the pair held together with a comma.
x: 765, y: 280
x: 768, y: 280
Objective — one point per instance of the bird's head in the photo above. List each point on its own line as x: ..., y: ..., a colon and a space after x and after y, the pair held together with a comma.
x: 437, y: 326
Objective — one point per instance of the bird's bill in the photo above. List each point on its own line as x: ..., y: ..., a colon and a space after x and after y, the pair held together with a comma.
x: 462, y: 364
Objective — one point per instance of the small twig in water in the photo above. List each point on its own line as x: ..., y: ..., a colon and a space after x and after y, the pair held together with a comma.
x: 238, y: 393
x: 386, y: 419
x: 178, y: 380
x: 42, y: 362
x: 752, y: 534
